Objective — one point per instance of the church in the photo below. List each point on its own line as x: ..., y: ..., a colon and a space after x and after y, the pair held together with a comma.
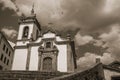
x: 45, y: 55
x: 37, y: 51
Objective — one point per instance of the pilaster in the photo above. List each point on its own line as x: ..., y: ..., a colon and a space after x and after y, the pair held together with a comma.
x: 28, y: 58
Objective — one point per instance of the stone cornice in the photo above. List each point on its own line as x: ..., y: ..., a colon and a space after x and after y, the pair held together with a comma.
x: 21, y: 47
x: 24, y: 40
x: 38, y: 44
x: 48, y: 39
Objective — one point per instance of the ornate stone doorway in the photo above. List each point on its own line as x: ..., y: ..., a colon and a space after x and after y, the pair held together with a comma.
x: 47, y: 64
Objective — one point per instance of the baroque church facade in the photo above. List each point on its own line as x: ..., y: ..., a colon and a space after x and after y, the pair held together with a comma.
x: 37, y: 51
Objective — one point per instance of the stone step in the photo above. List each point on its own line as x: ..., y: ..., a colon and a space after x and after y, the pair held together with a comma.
x: 28, y: 75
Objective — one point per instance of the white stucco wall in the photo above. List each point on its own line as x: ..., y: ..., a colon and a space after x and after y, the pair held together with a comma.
x: 34, y: 58
x: 62, y: 58
x: 20, y: 57
x: 58, y: 38
x: 109, y: 73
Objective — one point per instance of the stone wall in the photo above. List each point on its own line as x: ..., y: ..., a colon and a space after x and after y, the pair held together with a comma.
x: 28, y: 75
x: 94, y: 73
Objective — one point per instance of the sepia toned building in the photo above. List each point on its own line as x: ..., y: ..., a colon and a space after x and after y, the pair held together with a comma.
x: 6, y: 53
x: 42, y: 51
x: 45, y: 55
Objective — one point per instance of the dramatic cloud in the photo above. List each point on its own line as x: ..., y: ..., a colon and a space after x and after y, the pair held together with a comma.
x: 89, y: 59
x: 82, y: 40
x: 11, y: 33
x: 112, y: 40
x: 111, y: 5
x: 61, y: 12
x: 88, y: 15
x: 8, y: 4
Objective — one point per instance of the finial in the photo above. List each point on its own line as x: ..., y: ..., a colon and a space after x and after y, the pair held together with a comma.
x: 50, y: 25
x: 32, y: 11
x: 68, y: 36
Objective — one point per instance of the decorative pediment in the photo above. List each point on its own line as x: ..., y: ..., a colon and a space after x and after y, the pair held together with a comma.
x: 49, y: 34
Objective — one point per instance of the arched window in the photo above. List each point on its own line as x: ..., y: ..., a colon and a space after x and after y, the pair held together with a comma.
x: 48, y: 44
x: 25, y: 32
x: 47, y: 64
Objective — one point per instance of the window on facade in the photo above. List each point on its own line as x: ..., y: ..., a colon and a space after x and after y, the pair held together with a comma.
x: 5, y: 60
x: 47, y: 64
x: 4, y: 47
x: 1, y: 68
x: 48, y: 44
x: 25, y: 32
x: 1, y: 58
x: 7, y: 50
x: 9, y: 53
x: 0, y: 38
x: 86, y: 78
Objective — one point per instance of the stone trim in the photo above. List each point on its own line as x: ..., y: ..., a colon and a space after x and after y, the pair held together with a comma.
x: 20, y: 47
x: 34, y: 44
x: 48, y: 39
x: 61, y: 42
x: 24, y: 40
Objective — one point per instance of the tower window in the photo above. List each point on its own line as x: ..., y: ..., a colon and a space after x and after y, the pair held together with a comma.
x: 48, y: 44
x: 25, y: 32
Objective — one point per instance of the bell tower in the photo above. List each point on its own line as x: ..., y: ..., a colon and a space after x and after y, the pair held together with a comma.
x: 29, y: 27
x: 29, y: 31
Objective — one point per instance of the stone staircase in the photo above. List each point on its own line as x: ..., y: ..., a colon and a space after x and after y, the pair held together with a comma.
x: 29, y: 75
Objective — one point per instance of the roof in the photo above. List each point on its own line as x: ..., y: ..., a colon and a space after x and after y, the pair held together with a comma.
x: 6, y: 40
x: 80, y: 74
x: 30, y: 19
x: 114, y: 66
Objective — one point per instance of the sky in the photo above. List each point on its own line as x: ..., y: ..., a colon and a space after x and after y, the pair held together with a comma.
x: 93, y: 24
